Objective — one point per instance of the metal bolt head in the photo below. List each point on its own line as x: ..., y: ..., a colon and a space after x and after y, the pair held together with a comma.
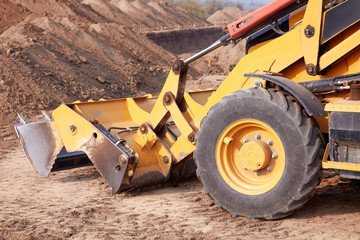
x: 269, y: 168
x: 118, y: 168
x: 258, y: 136
x: 311, y: 69
x: 166, y: 159
x: 257, y: 84
x: 167, y: 98
x: 72, y: 128
x: 274, y: 155
x: 123, y: 159
x: 191, y: 137
x: 143, y: 129
x: 309, y: 31
x: 177, y: 66
x: 246, y: 140
x: 257, y: 173
x: 270, y: 142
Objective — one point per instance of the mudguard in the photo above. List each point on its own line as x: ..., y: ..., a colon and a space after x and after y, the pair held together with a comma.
x: 307, y: 99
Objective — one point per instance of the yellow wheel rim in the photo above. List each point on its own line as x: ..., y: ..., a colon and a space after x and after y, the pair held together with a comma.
x: 250, y: 157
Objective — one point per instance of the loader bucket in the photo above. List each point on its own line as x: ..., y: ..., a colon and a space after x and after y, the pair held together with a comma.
x: 132, y: 142
x: 44, y: 148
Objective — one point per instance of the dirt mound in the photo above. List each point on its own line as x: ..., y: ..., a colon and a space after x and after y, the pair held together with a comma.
x: 61, y: 51
x: 151, y: 15
x: 125, y: 7
x: 234, y: 12
x: 11, y: 14
x: 218, y: 18
x: 157, y: 7
x: 220, y: 59
x: 141, y: 6
x: 226, y: 16
x: 109, y: 10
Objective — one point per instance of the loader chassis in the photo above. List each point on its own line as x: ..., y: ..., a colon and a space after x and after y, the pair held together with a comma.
x: 257, y: 139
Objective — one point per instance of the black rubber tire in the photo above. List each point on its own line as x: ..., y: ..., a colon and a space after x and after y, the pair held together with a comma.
x: 303, y: 144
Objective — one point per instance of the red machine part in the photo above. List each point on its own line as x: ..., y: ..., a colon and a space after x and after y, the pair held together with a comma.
x: 241, y: 26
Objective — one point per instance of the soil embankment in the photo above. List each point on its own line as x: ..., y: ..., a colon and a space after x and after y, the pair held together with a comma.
x: 61, y: 51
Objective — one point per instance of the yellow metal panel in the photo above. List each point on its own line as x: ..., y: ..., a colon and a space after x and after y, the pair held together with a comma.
x: 194, y: 106
x: 179, y: 119
x: 340, y: 50
x: 348, y: 106
x: 141, y: 141
x: 74, y: 130
x: 341, y: 166
x: 137, y: 114
x: 158, y: 112
x: 312, y: 20
x: 182, y: 148
x: 106, y: 112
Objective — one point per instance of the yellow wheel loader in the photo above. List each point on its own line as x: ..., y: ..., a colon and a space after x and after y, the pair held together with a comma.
x: 289, y: 108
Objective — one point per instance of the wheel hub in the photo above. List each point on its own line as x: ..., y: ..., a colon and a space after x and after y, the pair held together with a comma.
x: 255, y: 155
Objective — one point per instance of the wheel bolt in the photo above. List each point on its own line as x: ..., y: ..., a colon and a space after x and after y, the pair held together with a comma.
x: 269, y: 168
x: 258, y: 136
x: 246, y: 140
x: 257, y: 173
x: 274, y: 155
x: 227, y: 140
x: 270, y: 142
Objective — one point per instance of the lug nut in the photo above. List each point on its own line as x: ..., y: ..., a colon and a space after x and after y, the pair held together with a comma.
x: 228, y: 140
x: 269, y: 168
x: 270, y: 142
x: 257, y: 173
x: 246, y: 140
x: 274, y: 155
x: 258, y: 136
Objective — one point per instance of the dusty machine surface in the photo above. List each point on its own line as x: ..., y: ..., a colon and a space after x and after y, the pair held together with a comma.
x: 290, y: 108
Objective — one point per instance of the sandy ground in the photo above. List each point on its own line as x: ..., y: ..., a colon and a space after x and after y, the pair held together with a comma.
x: 77, y: 204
